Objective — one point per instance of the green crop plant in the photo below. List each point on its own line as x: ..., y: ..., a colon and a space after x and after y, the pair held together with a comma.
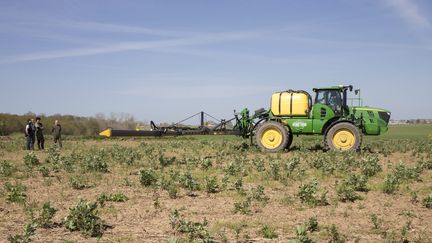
x: 346, y: 191
x: 45, y: 216
x: 114, y: 197
x: 6, y: 168
x: 238, y: 185
x: 404, y: 173
x: 15, y: 193
x: 31, y: 160
x: 375, y: 221
x: 427, y: 201
x: 311, y: 224
x: 211, y: 185
x: 94, y: 163
x: 243, y: 206
x: 301, y: 235
x: 77, y: 183
x: 84, y: 217
x: 268, y: 232
x: 188, y: 182
x: 29, y: 231
x: 166, y: 161
x: 206, y: 164
x: 274, y: 171
x: 148, y: 177
x: 391, y: 184
x: 370, y: 165
x: 259, y: 164
x: 258, y: 194
x: 308, y: 194
x: 335, y: 236
x: 44, y: 170
x: 193, y: 230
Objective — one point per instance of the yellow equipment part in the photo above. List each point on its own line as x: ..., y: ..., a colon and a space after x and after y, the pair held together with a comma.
x: 106, y: 133
x: 271, y: 138
x: 344, y: 139
x: 290, y: 103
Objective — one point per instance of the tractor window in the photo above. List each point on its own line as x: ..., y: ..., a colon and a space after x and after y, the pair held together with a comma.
x: 331, y: 98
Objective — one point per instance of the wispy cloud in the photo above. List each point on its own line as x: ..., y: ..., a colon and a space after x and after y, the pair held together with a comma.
x: 138, y: 45
x: 409, y: 10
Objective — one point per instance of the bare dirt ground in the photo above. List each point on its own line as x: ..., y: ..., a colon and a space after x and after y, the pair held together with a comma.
x: 139, y: 219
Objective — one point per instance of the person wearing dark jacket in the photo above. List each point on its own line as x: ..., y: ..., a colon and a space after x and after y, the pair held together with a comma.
x: 39, y: 133
x: 33, y: 136
x: 29, y: 134
x: 56, y: 131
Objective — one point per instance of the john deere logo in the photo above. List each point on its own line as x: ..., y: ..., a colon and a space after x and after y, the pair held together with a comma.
x: 299, y: 124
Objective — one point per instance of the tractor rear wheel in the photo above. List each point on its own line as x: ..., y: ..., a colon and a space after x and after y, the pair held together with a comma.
x: 343, y: 136
x: 272, y: 137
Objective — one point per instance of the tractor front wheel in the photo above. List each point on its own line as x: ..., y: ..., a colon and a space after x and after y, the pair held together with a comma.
x: 343, y: 136
x: 272, y: 137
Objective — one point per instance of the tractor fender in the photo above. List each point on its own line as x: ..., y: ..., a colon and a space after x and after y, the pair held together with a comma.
x: 333, y: 122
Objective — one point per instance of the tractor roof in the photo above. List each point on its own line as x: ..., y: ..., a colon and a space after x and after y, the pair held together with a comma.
x: 338, y: 87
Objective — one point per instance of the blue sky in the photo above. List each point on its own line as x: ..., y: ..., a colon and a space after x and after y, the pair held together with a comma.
x: 164, y: 60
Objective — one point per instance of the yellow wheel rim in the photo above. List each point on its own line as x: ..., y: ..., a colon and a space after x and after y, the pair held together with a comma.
x: 344, y: 139
x: 271, y: 138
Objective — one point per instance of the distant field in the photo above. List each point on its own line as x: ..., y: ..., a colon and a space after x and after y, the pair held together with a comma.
x: 415, y: 131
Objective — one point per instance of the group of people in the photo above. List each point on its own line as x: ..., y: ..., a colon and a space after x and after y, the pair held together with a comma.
x: 34, y: 132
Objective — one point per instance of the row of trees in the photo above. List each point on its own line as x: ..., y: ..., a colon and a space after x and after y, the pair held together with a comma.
x: 71, y: 125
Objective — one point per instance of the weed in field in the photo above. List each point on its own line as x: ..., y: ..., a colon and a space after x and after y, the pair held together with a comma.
x: 211, y: 185
x: 15, y: 193
x: 427, y: 201
x: 156, y: 200
x: 225, y: 181
x: 268, y: 232
x: 148, y: 177
x: 238, y: 185
x: 6, y: 168
x: 46, y: 214
x: 414, y: 197
x: 308, y: 194
x: 391, y: 184
x: 84, y: 218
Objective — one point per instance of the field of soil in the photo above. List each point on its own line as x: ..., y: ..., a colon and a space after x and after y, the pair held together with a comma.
x: 217, y: 189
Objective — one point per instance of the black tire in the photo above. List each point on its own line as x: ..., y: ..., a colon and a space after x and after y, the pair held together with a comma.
x: 272, y: 137
x: 290, y: 140
x: 343, y: 136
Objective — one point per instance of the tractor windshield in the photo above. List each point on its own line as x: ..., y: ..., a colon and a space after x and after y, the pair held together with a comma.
x: 331, y: 98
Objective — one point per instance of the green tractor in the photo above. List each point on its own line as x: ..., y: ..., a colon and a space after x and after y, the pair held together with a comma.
x: 294, y: 113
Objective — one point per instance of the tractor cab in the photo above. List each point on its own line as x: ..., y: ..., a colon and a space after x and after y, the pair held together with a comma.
x: 332, y: 98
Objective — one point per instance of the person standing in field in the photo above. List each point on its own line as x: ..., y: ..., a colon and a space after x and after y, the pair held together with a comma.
x: 56, y: 131
x: 29, y: 134
x: 39, y: 134
x: 33, y: 136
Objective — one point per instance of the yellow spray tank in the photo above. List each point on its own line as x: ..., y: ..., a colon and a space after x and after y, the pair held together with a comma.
x: 290, y: 103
